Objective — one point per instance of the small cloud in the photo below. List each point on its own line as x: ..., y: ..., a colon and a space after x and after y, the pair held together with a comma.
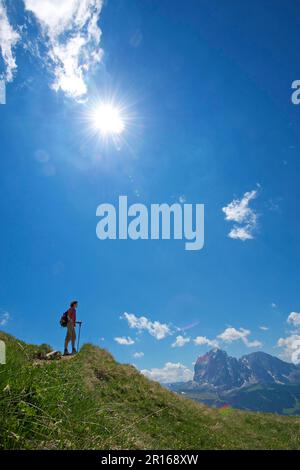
x: 294, y: 319
x: 155, y: 328
x: 240, y: 233
x: 138, y: 355
x: 291, y: 344
x: 180, y: 341
x: 202, y: 341
x: 263, y: 328
x: 232, y: 334
x: 238, y: 211
x: 4, y: 318
x: 8, y: 39
x: 252, y: 344
x: 124, y: 341
x: 182, y: 199
x: 273, y: 305
x: 291, y: 347
x: 171, y: 372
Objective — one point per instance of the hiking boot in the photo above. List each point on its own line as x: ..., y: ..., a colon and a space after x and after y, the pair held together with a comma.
x: 66, y: 352
x: 74, y: 351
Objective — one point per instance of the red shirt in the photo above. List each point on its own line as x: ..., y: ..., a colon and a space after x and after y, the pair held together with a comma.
x: 72, y: 314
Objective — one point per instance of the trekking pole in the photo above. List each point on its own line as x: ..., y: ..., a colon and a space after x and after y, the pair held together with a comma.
x: 79, y: 323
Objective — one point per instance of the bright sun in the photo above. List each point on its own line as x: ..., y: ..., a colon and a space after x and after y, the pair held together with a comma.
x: 108, y: 120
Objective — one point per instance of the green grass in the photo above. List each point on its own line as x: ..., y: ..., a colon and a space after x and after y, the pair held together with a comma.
x: 92, y: 402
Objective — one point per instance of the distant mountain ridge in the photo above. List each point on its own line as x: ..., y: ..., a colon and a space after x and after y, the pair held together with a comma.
x: 219, y: 370
x: 256, y: 381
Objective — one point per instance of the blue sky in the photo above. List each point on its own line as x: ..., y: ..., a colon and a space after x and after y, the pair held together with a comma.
x: 206, y: 87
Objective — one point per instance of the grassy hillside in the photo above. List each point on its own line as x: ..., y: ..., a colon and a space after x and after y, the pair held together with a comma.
x: 92, y: 402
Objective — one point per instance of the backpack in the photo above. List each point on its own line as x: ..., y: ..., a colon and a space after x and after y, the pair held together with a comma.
x: 64, y: 319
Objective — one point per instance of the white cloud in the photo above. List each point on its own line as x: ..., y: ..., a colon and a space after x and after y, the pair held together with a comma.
x: 124, y: 341
x: 238, y: 211
x: 264, y: 328
x: 154, y: 328
x: 202, y: 340
x: 240, y: 233
x: 8, y: 39
x: 252, y: 344
x: 4, y: 318
x: 273, y: 305
x: 291, y: 347
x: 138, y: 355
x: 180, y: 341
x: 294, y: 319
x: 291, y: 344
x: 70, y: 32
x: 232, y: 334
x: 171, y: 372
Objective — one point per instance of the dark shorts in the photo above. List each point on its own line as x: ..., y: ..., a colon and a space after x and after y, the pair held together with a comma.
x: 71, y: 333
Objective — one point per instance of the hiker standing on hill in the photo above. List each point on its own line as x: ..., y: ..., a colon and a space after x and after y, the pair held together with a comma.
x: 71, y: 333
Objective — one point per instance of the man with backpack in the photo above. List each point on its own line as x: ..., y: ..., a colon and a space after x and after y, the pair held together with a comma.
x: 71, y: 324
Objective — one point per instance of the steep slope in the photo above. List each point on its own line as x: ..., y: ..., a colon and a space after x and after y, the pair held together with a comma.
x: 92, y: 402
